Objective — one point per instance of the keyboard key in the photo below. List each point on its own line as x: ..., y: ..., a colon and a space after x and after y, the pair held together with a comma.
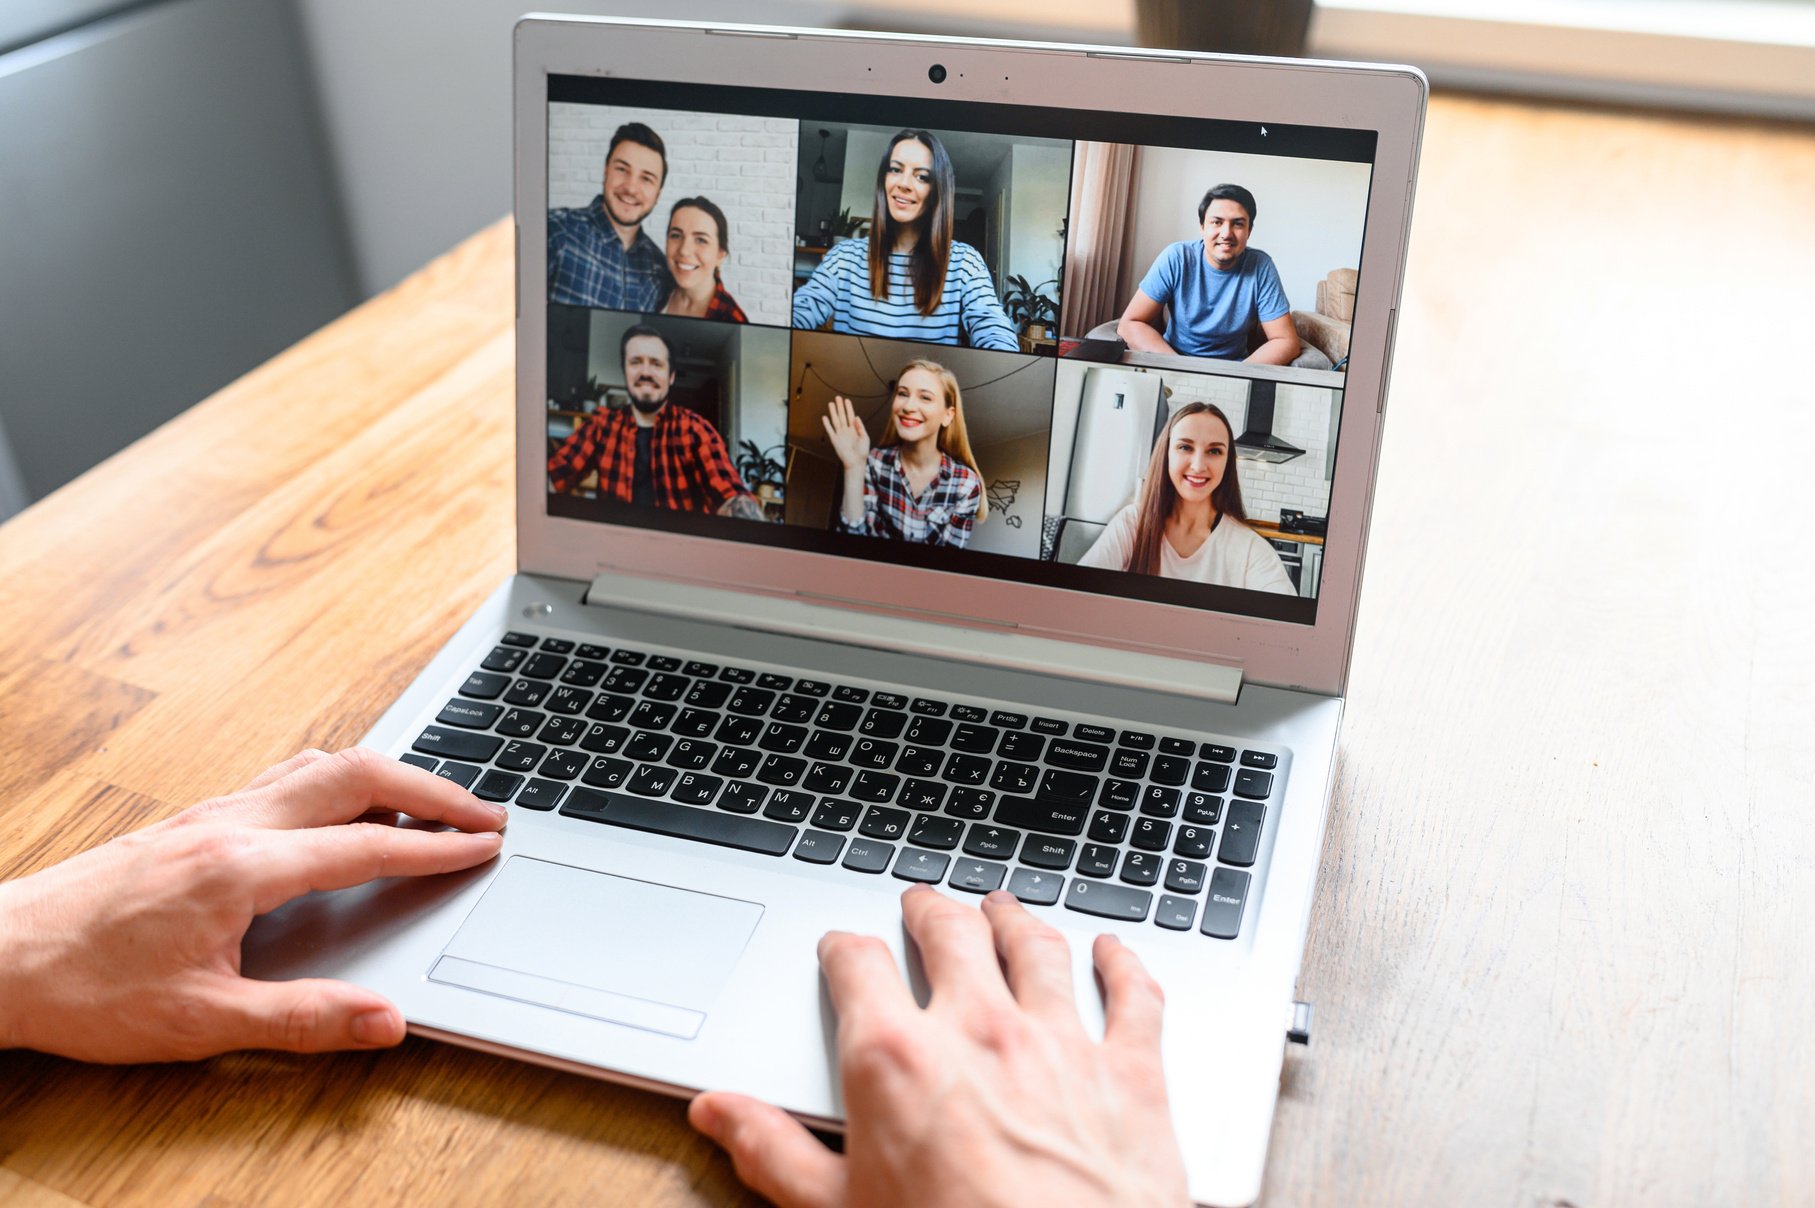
x: 817, y: 847
x: 1107, y: 827
x: 812, y: 687
x: 1170, y: 769
x: 850, y: 695
x: 927, y: 867
x: 737, y: 675
x: 701, y: 670
x: 794, y: 709
x: 503, y: 658
x: 588, y: 650
x: 881, y: 822
x: 527, y: 693
x: 828, y: 744
x: 971, y: 803
x: 1050, y: 725
x: 602, y: 739
x: 928, y: 731
x: 826, y: 778
x: 583, y: 673
x: 735, y: 763
x: 889, y: 700
x: 787, y: 805
x: 692, y: 754
x: 1043, y: 851
x: 743, y: 798
x: 562, y: 765
x: 541, y: 795
x: 1017, y: 778
x: 625, y: 679
x: 1053, y: 818
x: 1089, y: 733
x: 1035, y: 888
x: 651, y: 781
x: 628, y: 658
x: 694, y: 788
x: 1096, y: 860
x: 649, y: 715
x: 1129, y: 765
x: 1141, y: 868
x: 970, y: 713
x: 783, y: 771
x: 1193, y: 841
x: 1057, y: 785
x: 1259, y: 759
x: 1022, y: 745
x: 1108, y: 901
x: 773, y: 682
x: 882, y: 723
x: 922, y: 795
x: 1249, y: 783
x: 567, y: 701
x: 1223, y: 912
x: 521, y: 723
x: 833, y: 715
x: 750, y: 702
x: 836, y: 814
x: 1008, y: 721
x: 1216, y: 752
x: 695, y: 723
x: 1159, y: 802
x: 997, y: 842
x: 1177, y: 746
x: 1175, y: 914
x: 1150, y: 834
x: 497, y: 786
x: 542, y: 666
x: 483, y: 685
x: 513, y: 638
x: 707, y: 694
x: 1202, y: 807
x: 469, y: 715
x: 607, y: 773
x: 418, y: 761
x: 874, y: 753
x: 1185, y: 876
x: 462, y: 774
x: 663, y: 818
x: 929, y: 708
x: 667, y: 687
x: 445, y: 743
x: 610, y: 707
x: 1080, y: 756
x: 1119, y: 794
x: 977, y: 876
x: 520, y: 757
x: 875, y: 786
x: 869, y: 855
x: 1210, y: 777
x: 1241, y: 836
x: 965, y: 769
x: 557, y: 645
x: 738, y: 731
x: 647, y: 747
x: 919, y: 761
x: 977, y: 740
x: 936, y: 832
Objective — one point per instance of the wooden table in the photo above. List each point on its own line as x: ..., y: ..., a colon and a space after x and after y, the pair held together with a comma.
x: 1560, y: 953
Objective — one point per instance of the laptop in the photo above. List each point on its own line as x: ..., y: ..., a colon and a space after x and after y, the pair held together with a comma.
x: 937, y: 461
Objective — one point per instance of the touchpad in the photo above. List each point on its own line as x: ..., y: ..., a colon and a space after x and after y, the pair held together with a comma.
x: 632, y: 952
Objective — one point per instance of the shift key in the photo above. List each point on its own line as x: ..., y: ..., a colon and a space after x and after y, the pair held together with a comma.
x: 458, y: 744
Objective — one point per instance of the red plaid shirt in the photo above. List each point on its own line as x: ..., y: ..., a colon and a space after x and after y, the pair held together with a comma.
x: 723, y: 306
x: 692, y: 469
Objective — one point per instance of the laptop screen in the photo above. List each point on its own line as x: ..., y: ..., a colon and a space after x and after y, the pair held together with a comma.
x: 1096, y: 351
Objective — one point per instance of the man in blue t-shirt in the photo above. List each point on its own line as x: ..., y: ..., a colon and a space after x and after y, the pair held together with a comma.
x: 1210, y: 292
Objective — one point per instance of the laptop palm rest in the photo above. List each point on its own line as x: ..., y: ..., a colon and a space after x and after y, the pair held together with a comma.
x: 607, y: 947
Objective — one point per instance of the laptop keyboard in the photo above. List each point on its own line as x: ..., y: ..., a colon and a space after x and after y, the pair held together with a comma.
x: 1112, y: 822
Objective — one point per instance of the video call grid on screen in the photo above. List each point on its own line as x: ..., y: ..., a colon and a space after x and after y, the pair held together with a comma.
x: 739, y: 274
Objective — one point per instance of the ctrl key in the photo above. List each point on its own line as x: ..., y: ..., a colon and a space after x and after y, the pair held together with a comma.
x: 1223, y: 912
x: 1108, y: 901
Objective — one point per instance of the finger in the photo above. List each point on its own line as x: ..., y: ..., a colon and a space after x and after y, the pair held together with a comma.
x: 292, y: 863
x: 344, y: 786
x: 278, y: 771
x: 313, y: 1015
x: 774, y: 1154
x: 1037, y: 959
x: 957, y: 948
x: 1132, y: 1001
x: 862, y: 977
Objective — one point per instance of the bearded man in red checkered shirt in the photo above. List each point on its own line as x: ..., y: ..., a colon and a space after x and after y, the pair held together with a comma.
x: 653, y: 453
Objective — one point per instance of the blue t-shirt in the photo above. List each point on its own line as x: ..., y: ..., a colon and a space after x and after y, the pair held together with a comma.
x: 1210, y: 311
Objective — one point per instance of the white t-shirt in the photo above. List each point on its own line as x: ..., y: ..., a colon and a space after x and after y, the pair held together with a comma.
x: 1234, y: 555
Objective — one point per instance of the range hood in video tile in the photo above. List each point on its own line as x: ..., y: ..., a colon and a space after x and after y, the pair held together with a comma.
x: 1257, y: 442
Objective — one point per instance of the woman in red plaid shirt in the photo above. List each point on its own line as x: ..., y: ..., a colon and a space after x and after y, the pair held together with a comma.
x: 698, y: 242
x: 921, y: 482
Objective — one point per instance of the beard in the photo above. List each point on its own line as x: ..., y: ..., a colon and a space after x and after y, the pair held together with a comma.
x: 648, y: 406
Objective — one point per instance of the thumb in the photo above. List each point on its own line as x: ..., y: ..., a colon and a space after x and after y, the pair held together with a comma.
x: 310, y: 1015
x: 773, y: 1152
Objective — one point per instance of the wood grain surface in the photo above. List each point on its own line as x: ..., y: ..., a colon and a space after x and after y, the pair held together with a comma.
x: 1558, y: 956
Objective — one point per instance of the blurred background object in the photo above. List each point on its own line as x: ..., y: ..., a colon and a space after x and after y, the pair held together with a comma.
x: 192, y: 185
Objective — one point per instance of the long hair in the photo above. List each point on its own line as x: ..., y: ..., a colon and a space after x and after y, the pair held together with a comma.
x: 1159, y: 496
x: 933, y: 250
x: 953, y: 440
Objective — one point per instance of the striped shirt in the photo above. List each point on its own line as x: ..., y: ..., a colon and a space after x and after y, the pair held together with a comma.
x: 588, y: 265
x: 943, y: 514
x: 968, y: 311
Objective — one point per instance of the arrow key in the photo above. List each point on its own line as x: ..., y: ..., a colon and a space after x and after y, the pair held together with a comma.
x: 991, y: 841
x: 916, y: 865
x: 1036, y: 888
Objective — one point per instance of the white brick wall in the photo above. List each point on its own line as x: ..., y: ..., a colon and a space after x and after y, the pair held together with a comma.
x: 1301, y: 415
x: 744, y: 164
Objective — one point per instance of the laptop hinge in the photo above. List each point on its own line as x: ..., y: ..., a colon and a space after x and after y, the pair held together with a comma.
x: 962, y: 639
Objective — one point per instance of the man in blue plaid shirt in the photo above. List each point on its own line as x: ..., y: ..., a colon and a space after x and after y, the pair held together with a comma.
x: 599, y: 255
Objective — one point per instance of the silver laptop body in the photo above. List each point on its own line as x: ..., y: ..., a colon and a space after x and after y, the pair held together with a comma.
x: 691, y: 964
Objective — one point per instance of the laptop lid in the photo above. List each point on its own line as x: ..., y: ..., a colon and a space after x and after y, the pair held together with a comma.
x: 844, y: 317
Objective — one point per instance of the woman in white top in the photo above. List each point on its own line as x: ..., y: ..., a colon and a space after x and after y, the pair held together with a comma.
x: 1187, y: 523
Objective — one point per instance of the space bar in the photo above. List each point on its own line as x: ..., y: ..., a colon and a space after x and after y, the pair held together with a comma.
x: 683, y: 822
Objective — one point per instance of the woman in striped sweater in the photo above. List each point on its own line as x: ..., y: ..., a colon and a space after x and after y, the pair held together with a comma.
x: 907, y: 279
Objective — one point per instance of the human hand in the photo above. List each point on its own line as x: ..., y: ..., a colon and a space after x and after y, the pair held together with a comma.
x: 850, y: 439
x: 993, y: 1095
x: 130, y: 951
